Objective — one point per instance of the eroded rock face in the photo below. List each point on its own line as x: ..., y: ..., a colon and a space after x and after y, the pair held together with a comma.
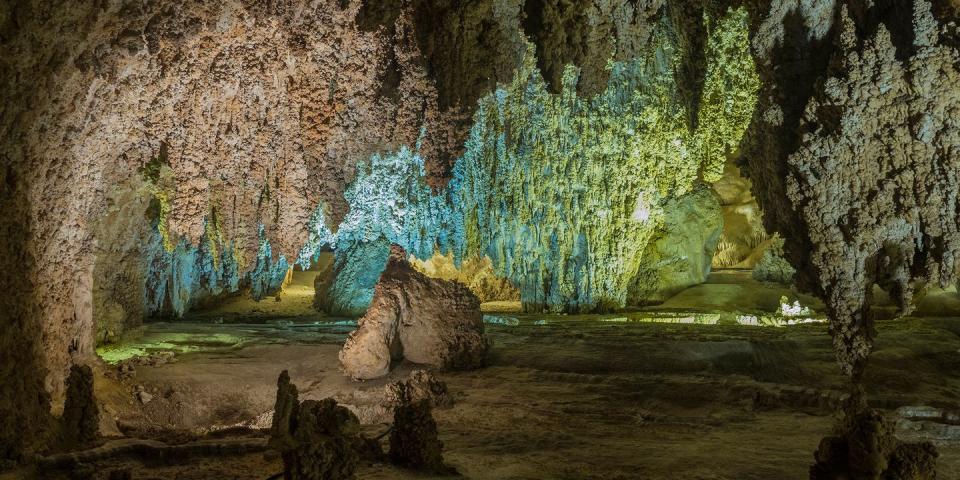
x: 79, y: 425
x: 681, y: 252
x: 413, y: 440
x: 377, y: 405
x: 250, y: 106
x: 318, y: 440
x: 857, y: 125
x: 428, y: 321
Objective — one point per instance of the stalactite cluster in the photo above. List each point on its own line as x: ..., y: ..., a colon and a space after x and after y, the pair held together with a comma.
x: 564, y: 192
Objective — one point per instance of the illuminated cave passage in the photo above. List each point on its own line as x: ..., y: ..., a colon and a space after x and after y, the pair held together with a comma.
x: 513, y: 239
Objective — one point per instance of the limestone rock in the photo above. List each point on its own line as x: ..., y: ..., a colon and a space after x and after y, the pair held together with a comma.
x: 413, y: 440
x: 79, y: 425
x: 867, y: 449
x: 318, y: 440
x: 476, y: 273
x: 681, y: 253
x: 428, y: 321
x: 772, y: 267
x: 377, y: 405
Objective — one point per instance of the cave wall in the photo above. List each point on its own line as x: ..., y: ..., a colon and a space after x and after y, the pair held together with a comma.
x: 249, y: 105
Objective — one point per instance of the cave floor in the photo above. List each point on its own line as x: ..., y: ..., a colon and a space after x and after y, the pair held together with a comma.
x: 563, y: 396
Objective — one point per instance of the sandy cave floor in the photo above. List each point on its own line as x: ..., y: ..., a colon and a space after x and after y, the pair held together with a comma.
x: 566, y: 397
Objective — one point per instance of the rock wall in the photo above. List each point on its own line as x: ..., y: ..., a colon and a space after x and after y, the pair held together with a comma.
x: 476, y: 273
x: 564, y: 191
x: 681, y: 251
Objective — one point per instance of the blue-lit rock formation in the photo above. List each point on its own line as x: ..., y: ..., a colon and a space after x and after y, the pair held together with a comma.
x: 562, y: 192
x: 190, y: 275
x: 390, y: 203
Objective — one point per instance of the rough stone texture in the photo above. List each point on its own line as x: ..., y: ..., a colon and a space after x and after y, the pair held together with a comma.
x: 428, y: 321
x: 681, y: 251
x: 325, y: 437
x: 588, y: 33
x: 867, y: 449
x: 413, y: 440
x: 476, y: 273
x: 253, y: 105
x: 850, y: 151
x: 377, y: 405
x: 744, y: 239
x: 772, y: 267
x: 25, y: 419
x: 80, y: 423
x: 318, y: 440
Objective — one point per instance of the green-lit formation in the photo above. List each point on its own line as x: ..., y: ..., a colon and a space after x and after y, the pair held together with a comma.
x: 563, y: 193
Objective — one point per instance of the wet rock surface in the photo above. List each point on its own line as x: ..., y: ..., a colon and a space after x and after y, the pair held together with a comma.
x: 426, y: 321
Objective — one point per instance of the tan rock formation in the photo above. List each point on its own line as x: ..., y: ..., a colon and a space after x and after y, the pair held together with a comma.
x: 427, y: 321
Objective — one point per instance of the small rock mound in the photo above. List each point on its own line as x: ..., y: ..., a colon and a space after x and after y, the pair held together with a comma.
x: 425, y: 320
x: 869, y: 450
x: 414, y: 442
x: 376, y: 405
x: 318, y: 440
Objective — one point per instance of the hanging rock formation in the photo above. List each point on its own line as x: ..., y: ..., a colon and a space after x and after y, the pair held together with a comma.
x: 851, y: 151
x: 429, y: 321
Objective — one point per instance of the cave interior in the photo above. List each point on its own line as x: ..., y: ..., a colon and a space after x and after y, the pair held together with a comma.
x: 491, y: 239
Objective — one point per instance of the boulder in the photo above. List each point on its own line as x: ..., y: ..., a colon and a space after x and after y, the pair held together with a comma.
x: 425, y: 320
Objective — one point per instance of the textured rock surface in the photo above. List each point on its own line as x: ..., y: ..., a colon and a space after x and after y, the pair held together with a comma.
x: 867, y: 449
x: 854, y: 177
x: 79, y: 425
x: 318, y: 439
x: 428, y: 321
x: 601, y: 167
x: 378, y: 405
x: 744, y: 239
x: 772, y: 267
x: 413, y: 439
x: 250, y: 105
x: 681, y: 251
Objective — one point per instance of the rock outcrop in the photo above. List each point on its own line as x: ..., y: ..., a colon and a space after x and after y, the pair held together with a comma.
x: 867, y: 449
x: 377, y: 405
x: 427, y: 321
x: 681, y: 251
x: 849, y: 148
x: 413, y: 439
x: 318, y: 440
